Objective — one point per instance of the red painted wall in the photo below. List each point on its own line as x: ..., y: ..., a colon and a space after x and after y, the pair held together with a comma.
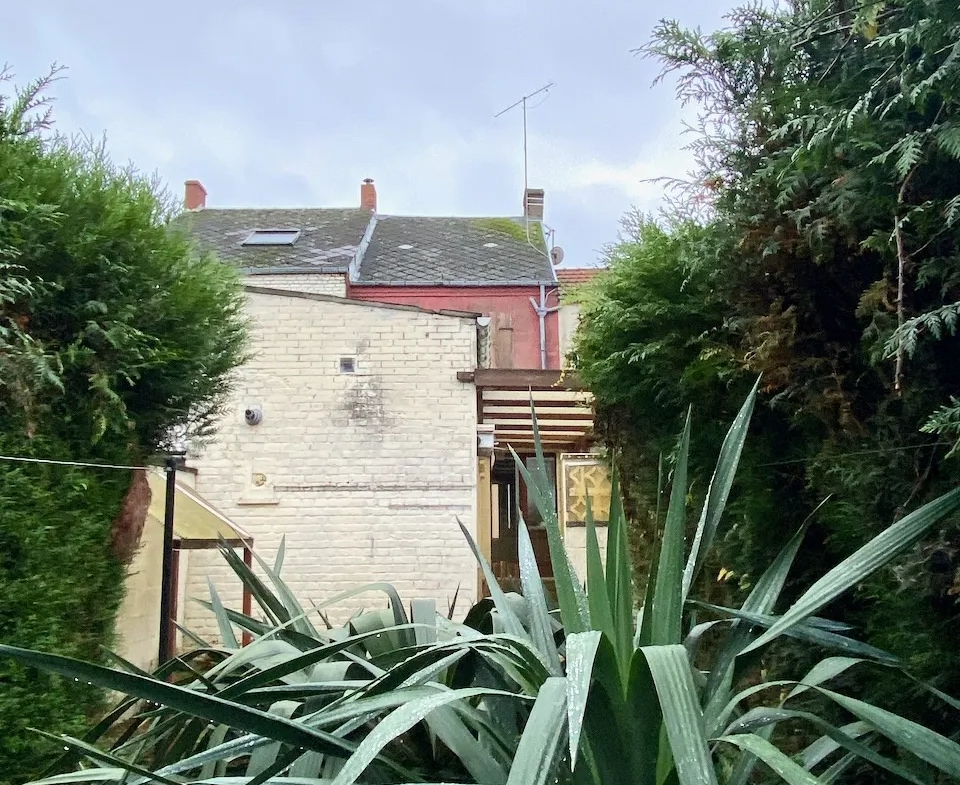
x: 485, y: 300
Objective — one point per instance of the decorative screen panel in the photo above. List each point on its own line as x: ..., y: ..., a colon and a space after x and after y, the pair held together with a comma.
x: 583, y: 476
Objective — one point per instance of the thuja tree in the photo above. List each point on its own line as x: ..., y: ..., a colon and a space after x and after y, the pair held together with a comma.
x: 828, y: 180
x: 113, y: 335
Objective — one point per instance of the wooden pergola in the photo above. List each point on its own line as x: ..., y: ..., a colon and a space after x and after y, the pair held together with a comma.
x: 564, y: 408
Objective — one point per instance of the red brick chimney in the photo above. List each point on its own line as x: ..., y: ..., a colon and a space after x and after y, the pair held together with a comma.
x: 194, y: 195
x: 368, y: 195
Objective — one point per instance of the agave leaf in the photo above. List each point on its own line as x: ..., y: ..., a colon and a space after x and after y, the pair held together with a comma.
x: 763, y: 716
x: 926, y: 744
x: 581, y: 652
x: 103, y: 774
x: 567, y: 596
x: 281, y: 552
x: 786, y: 767
x: 645, y: 722
x: 761, y: 599
x: 398, y: 722
x: 682, y: 717
x: 187, y: 701
x: 808, y: 631
x: 210, y: 769
x: 223, y: 621
x: 540, y: 627
x: 367, y: 707
x: 509, y: 618
x: 832, y: 773
x: 939, y: 694
x: 197, y: 640
x: 297, y: 616
x: 865, y: 561
x: 258, y: 628
x: 666, y: 608
x: 819, y: 750
x: 719, y: 489
x: 264, y: 757
x: 105, y: 757
x: 542, y: 744
x: 272, y: 607
x: 469, y: 750
x: 825, y: 670
x: 692, y: 640
x: 747, y: 763
x: 423, y: 612
x: 598, y: 592
x: 619, y: 574
x: 396, y: 604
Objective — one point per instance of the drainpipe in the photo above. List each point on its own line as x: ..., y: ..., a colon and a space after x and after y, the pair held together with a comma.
x: 542, y: 311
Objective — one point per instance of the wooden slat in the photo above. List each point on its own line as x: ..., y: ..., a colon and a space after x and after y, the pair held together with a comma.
x: 544, y: 425
x: 552, y: 412
x: 544, y: 397
x: 518, y: 419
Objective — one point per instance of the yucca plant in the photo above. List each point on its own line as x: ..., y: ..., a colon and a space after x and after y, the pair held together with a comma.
x: 591, y: 694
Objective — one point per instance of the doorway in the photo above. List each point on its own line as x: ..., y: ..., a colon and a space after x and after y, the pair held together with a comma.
x: 509, y: 501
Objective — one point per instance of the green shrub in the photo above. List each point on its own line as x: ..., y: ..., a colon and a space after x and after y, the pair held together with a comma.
x: 60, y: 587
x: 113, y: 333
x: 517, y: 694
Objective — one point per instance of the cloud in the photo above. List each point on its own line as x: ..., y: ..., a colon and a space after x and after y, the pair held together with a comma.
x: 294, y: 103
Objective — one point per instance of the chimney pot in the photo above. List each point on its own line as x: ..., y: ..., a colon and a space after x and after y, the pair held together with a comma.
x: 194, y: 195
x: 368, y: 195
x: 533, y: 204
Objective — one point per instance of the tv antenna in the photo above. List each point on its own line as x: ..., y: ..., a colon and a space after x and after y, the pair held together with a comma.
x: 523, y: 103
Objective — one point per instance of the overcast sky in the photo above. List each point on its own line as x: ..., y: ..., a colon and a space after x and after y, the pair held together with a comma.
x: 294, y: 102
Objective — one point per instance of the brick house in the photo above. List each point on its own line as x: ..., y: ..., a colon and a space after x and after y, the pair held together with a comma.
x: 497, y: 267
x: 395, y: 360
x: 570, y: 280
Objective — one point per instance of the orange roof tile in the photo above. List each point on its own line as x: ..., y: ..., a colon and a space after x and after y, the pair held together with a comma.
x: 574, y: 276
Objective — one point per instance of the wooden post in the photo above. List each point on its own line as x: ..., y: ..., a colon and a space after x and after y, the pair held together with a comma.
x: 247, y: 638
x: 484, y: 518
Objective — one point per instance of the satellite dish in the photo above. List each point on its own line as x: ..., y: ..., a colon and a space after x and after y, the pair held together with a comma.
x: 556, y: 254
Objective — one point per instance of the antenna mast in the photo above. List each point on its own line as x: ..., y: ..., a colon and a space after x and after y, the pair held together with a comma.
x: 523, y: 103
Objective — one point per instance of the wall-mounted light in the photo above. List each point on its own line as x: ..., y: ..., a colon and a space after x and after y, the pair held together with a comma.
x: 485, y: 439
x: 253, y: 415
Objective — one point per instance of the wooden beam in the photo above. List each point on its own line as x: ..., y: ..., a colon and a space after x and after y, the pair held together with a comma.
x: 200, y: 545
x: 524, y: 378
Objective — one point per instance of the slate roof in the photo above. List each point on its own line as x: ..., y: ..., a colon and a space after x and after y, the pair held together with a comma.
x: 402, y: 251
x: 328, y: 242
x: 454, y: 252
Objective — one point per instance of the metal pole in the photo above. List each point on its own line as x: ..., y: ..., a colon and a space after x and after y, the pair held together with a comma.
x: 526, y: 210
x: 165, y: 649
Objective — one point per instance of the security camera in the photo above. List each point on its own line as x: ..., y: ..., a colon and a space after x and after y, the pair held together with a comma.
x: 253, y: 416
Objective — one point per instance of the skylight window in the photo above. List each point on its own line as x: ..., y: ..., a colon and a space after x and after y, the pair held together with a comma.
x: 272, y: 237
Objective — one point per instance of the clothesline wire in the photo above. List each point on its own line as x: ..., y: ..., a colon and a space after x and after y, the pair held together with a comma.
x: 125, y: 467
x: 85, y: 464
x: 864, y: 452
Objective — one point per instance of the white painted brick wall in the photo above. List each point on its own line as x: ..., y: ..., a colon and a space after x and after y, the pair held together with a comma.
x: 365, y: 473
x: 311, y: 283
x: 569, y: 320
x: 575, y: 538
